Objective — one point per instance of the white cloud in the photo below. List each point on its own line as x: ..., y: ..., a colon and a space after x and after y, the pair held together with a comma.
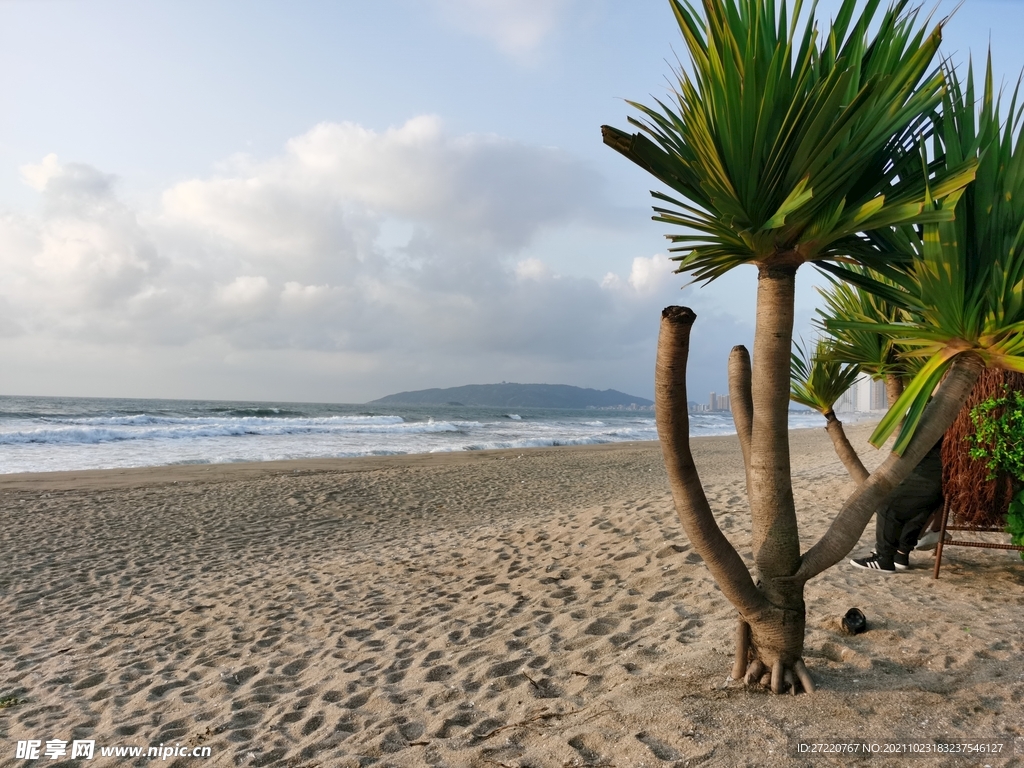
x: 37, y: 176
x: 296, y: 256
x: 246, y: 291
x: 650, y: 274
x: 532, y: 269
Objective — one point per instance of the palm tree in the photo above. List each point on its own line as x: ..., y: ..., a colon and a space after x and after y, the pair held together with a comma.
x: 958, y: 282
x: 962, y: 287
x: 779, y: 151
x: 875, y: 354
x: 818, y: 380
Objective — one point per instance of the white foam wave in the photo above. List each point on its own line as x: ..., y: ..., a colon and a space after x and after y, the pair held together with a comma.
x: 119, y: 429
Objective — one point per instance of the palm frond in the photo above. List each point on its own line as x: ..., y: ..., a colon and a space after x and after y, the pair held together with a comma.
x: 854, y: 318
x: 960, y: 282
x: 817, y: 379
x: 785, y: 146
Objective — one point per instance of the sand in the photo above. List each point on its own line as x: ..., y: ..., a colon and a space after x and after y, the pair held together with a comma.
x: 505, y: 608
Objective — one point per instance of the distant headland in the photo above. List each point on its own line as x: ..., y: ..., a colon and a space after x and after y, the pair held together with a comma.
x: 508, y: 395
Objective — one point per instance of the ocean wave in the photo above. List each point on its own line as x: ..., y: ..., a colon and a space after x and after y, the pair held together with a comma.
x: 530, y: 442
x: 120, y: 429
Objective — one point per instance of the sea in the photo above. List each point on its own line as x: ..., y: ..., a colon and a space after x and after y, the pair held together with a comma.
x: 43, y: 434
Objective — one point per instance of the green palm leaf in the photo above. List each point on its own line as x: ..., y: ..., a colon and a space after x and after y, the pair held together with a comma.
x: 818, y: 380
x: 784, y: 146
x: 853, y: 318
x: 961, y: 281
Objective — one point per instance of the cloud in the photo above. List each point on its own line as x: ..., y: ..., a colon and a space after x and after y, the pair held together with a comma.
x: 517, y: 27
x: 404, y: 252
x: 83, y: 258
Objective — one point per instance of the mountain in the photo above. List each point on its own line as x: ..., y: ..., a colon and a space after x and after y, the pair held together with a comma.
x: 506, y: 395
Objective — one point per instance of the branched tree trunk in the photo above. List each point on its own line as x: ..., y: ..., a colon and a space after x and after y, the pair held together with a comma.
x: 844, y: 450
x: 770, y: 635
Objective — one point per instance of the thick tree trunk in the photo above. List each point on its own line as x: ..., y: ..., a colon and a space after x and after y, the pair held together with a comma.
x: 776, y: 541
x: 777, y: 636
x: 845, y: 451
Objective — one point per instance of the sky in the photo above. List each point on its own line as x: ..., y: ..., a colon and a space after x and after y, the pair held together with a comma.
x: 334, y: 201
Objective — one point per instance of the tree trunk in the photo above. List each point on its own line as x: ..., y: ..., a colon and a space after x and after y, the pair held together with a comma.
x: 777, y: 636
x: 846, y: 453
x: 776, y: 541
x: 739, y: 398
x: 894, y: 386
x: 849, y: 524
x: 771, y: 633
x: 691, y: 504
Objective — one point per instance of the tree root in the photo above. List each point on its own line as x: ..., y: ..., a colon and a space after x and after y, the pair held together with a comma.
x: 739, y: 667
x: 805, y: 677
x: 779, y: 679
x: 755, y: 671
x: 748, y: 668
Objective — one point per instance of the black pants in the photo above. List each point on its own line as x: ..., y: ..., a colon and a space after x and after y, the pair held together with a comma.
x: 898, y: 524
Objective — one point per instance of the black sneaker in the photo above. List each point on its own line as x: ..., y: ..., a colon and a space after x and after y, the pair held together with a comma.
x: 901, y: 560
x: 874, y: 563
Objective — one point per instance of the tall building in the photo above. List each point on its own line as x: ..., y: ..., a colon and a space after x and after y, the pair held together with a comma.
x: 879, y: 398
x: 717, y: 402
x: 847, y: 402
x: 864, y: 396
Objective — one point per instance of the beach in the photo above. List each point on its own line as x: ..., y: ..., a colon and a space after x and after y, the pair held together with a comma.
x: 527, y: 607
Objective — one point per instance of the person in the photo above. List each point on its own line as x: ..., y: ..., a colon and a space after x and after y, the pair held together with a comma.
x: 898, y: 524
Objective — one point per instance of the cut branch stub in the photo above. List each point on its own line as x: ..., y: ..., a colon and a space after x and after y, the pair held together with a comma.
x: 681, y: 315
x: 722, y: 560
x: 740, y: 399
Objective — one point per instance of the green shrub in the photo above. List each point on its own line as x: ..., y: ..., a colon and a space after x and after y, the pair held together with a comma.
x: 1015, y: 521
x: 998, y: 437
x: 998, y: 440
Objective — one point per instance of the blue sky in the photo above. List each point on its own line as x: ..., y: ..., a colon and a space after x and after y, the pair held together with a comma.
x: 334, y: 201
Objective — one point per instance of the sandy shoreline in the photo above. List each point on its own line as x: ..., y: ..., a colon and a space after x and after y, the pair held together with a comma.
x: 239, y: 470
x: 536, y: 607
